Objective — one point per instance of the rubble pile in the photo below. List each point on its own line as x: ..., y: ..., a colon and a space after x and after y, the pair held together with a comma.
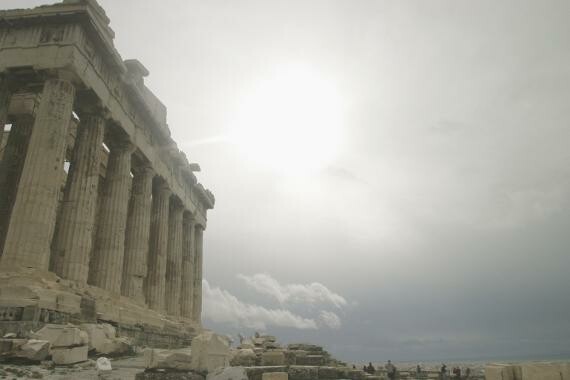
x: 64, y: 344
x: 208, y: 352
x: 261, y: 357
x: 264, y: 350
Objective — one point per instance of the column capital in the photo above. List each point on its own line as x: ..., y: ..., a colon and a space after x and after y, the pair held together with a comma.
x: 123, y: 146
x: 144, y: 170
x: 163, y: 190
x: 189, y: 218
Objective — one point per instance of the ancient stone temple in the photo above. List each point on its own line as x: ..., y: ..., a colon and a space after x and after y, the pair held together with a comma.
x: 101, y: 216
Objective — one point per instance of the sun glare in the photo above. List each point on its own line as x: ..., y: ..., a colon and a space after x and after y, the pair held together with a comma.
x: 291, y: 122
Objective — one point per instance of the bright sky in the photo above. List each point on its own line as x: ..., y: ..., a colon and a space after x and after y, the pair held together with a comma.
x: 392, y: 177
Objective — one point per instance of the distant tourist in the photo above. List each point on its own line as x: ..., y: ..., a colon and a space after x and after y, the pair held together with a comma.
x: 467, y: 373
x: 370, y: 369
x: 457, y: 373
x: 391, y: 370
x: 443, y: 372
x: 418, y: 369
x: 353, y: 366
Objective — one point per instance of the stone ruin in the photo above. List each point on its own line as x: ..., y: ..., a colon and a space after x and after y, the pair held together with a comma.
x: 101, y: 215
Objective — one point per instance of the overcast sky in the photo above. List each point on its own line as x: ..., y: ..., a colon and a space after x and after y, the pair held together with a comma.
x: 392, y: 178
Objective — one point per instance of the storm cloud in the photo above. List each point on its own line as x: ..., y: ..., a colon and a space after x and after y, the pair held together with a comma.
x: 440, y: 229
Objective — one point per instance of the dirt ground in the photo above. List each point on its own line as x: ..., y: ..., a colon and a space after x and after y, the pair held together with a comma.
x: 123, y: 369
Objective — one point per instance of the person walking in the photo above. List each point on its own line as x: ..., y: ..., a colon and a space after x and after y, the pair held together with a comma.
x: 391, y: 370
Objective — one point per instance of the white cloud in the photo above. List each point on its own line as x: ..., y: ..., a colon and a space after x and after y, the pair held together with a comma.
x: 330, y: 320
x: 223, y: 307
x: 294, y: 293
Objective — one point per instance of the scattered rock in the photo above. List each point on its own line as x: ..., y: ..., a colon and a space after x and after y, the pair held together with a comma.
x: 34, y: 350
x: 69, y: 355
x: 270, y: 358
x: 47, y: 364
x: 62, y: 336
x: 210, y: 351
x: 303, y: 372
x: 179, y: 360
x: 243, y: 358
x: 103, y: 364
x: 103, y: 339
x: 228, y: 373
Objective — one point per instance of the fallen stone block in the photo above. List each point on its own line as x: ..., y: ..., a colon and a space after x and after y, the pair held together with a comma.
x: 243, y: 358
x: 34, y: 350
x: 275, y: 376
x: 228, y: 373
x: 179, y: 360
x: 328, y: 373
x: 103, y: 364
x: 311, y: 360
x: 305, y: 347
x: 541, y: 371
x: 65, y: 356
x: 502, y: 372
x: 103, y: 339
x: 31, y: 350
x: 62, y: 336
x: 356, y: 374
x: 256, y: 373
x: 303, y: 372
x: 209, y: 352
x: 7, y: 346
x: 272, y: 358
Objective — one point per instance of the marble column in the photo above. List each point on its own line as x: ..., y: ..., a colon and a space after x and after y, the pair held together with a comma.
x: 188, y: 250
x: 137, y: 235
x: 106, y: 269
x: 4, y: 104
x: 74, y: 237
x: 197, y: 303
x: 174, y: 259
x: 33, y: 215
x: 11, y: 168
x: 155, y: 282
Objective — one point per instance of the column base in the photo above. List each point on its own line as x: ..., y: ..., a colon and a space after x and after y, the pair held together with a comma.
x: 30, y: 298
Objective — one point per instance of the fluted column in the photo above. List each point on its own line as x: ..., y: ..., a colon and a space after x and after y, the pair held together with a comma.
x: 106, y: 268
x: 74, y: 237
x: 33, y: 215
x: 137, y: 236
x: 11, y: 169
x: 197, y: 304
x: 155, y: 284
x: 188, y: 254
x: 174, y: 259
x: 4, y: 104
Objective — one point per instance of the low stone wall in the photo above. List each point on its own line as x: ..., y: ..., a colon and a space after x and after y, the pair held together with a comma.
x: 528, y: 371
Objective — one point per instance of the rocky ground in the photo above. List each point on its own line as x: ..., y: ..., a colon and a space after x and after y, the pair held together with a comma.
x: 123, y: 369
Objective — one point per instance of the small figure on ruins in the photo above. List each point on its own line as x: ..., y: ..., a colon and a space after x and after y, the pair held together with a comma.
x: 443, y: 372
x: 370, y: 369
x: 418, y: 370
x: 391, y: 370
x: 457, y: 373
